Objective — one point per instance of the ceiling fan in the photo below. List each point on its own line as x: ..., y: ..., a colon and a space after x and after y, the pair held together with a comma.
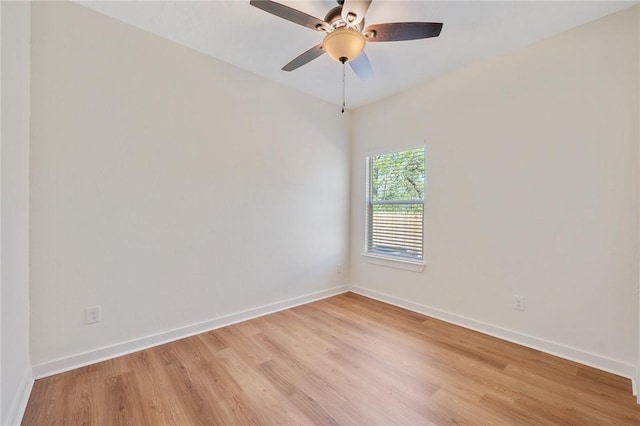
x: 345, y: 33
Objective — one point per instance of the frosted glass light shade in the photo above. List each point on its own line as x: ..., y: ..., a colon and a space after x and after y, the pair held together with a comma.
x: 343, y: 43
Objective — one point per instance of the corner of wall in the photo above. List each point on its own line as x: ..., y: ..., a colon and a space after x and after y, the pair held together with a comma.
x: 16, y: 412
x: 16, y: 379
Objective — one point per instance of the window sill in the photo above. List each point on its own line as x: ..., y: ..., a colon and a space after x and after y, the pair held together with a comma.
x: 392, y: 262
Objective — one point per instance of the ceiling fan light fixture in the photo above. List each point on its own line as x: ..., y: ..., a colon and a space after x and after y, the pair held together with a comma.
x: 343, y: 44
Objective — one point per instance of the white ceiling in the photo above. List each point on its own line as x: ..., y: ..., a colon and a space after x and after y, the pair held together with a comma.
x: 242, y: 35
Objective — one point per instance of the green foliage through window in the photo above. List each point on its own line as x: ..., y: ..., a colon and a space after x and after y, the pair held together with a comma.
x: 398, y: 176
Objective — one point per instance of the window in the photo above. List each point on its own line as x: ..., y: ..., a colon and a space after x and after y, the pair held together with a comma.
x: 395, y: 205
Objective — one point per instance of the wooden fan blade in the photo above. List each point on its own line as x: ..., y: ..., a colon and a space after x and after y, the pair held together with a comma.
x: 353, y: 10
x: 304, y: 58
x: 362, y: 67
x: 402, y: 31
x: 290, y: 14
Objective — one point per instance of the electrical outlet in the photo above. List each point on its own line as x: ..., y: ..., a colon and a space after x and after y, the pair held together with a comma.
x: 339, y: 268
x: 92, y: 315
x: 518, y: 303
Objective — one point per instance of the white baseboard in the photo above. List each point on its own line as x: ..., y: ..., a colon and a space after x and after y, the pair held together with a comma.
x: 19, y: 404
x: 124, y: 348
x: 567, y: 352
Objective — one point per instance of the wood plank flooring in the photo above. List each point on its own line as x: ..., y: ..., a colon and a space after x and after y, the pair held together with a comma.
x: 346, y: 360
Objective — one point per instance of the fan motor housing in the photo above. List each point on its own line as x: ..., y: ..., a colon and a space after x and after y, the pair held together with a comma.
x: 334, y: 18
x: 333, y: 15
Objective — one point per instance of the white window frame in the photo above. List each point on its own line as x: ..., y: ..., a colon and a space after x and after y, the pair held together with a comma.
x: 389, y: 260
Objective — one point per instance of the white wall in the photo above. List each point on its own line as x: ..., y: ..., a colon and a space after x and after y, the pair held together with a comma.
x: 15, y: 367
x: 532, y: 190
x: 170, y: 188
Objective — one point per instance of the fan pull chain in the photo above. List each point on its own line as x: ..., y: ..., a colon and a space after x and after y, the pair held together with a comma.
x: 343, y: 84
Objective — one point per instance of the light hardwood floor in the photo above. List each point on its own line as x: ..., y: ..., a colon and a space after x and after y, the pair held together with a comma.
x: 344, y: 360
